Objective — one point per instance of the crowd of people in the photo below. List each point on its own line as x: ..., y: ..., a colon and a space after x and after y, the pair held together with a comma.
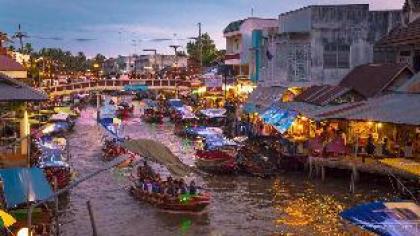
x: 151, y: 182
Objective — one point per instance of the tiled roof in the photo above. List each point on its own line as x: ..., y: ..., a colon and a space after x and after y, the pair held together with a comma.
x: 371, y: 79
x: 8, y: 64
x: 412, y: 85
x: 402, y: 35
x: 13, y: 90
x: 233, y: 26
x: 321, y: 95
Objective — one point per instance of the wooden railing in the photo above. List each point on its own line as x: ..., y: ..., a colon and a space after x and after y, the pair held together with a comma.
x: 116, y: 84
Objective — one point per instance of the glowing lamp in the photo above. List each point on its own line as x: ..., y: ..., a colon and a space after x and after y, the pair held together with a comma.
x: 24, y: 232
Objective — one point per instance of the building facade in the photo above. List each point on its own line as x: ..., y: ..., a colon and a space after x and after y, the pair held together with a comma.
x: 321, y: 44
x: 402, y: 45
x: 145, y: 63
x: 242, y: 40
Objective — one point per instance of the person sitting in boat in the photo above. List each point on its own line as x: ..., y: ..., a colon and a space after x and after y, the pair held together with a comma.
x: 171, y: 190
x: 140, y: 183
x: 182, y: 186
x: 148, y: 170
x: 193, y: 188
x: 155, y: 186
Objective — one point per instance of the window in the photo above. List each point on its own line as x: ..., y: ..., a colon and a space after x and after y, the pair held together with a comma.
x: 336, y: 56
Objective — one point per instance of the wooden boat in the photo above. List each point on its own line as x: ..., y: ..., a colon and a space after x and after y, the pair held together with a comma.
x: 195, y: 203
x: 152, y: 116
x: 215, y: 161
x: 61, y: 174
x: 124, y: 110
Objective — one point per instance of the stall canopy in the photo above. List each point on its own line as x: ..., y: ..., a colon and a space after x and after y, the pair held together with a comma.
x: 175, y: 103
x: 214, y: 113
x: 159, y: 153
x: 65, y: 110
x: 216, y: 141
x: 391, y: 108
x: 111, y: 125
x: 186, y: 112
x: 281, y: 119
x: 386, y: 218
x: 55, y: 127
x: 265, y: 96
x: 150, y: 103
x: 203, y: 131
x: 24, y: 184
x: 135, y: 87
x: 52, y: 158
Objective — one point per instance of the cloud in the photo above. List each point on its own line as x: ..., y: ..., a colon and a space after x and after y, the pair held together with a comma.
x: 127, y: 28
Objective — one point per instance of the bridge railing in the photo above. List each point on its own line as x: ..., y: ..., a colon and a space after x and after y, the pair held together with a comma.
x: 115, y: 83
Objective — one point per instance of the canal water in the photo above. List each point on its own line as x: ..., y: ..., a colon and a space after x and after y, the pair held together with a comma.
x: 288, y: 204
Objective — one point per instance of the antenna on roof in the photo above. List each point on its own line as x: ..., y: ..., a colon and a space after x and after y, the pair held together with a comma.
x: 252, y: 12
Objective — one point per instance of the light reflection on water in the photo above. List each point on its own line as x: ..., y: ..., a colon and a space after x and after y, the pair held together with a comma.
x: 286, y: 205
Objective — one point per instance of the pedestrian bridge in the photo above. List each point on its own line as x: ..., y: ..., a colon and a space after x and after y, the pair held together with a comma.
x: 116, y: 85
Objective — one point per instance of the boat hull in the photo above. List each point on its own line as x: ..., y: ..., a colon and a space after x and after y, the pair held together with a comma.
x: 196, y: 204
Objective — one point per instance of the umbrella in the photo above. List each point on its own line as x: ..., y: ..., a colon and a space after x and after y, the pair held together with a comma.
x: 6, y: 220
x: 159, y: 153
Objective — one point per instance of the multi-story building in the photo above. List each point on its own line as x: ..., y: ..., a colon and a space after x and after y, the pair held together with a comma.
x: 402, y: 45
x: 321, y: 44
x: 144, y: 63
x: 242, y: 39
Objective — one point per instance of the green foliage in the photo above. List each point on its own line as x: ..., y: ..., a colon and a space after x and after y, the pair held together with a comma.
x: 210, y: 52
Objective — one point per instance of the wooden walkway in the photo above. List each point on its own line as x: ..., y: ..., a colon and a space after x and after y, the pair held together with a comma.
x: 317, y: 167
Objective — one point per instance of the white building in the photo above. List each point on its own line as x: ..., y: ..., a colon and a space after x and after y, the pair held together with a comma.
x: 321, y: 44
x: 144, y: 63
x: 241, y: 42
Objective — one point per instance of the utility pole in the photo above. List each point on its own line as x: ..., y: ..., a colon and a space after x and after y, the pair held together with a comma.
x: 201, y: 47
x: 175, y: 47
x: 20, y: 35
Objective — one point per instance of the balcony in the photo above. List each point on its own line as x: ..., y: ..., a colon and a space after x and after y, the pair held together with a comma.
x: 233, y: 59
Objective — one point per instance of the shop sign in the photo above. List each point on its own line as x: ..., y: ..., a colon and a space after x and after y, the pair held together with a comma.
x: 214, y: 83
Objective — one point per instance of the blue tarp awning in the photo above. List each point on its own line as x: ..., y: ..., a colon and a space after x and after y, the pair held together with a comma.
x: 135, y: 87
x: 24, y: 184
x: 203, y: 131
x: 175, y: 103
x: 250, y: 108
x: 108, y: 124
x: 52, y: 158
x: 217, y: 141
x: 279, y: 118
x: 386, y: 218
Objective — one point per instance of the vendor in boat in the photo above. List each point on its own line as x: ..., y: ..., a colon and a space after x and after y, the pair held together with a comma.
x: 193, y: 188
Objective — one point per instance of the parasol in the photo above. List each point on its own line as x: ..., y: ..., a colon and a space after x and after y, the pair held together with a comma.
x: 159, y: 153
x: 6, y: 220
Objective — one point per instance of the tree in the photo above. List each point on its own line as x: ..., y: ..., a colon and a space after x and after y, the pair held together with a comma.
x: 27, y: 49
x: 210, y: 52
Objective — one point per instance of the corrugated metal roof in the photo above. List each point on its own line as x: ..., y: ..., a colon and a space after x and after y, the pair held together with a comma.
x: 412, y: 85
x: 265, y: 96
x: 371, y: 79
x: 8, y: 64
x: 306, y: 109
x: 13, y: 90
x: 391, y: 108
x: 321, y: 95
